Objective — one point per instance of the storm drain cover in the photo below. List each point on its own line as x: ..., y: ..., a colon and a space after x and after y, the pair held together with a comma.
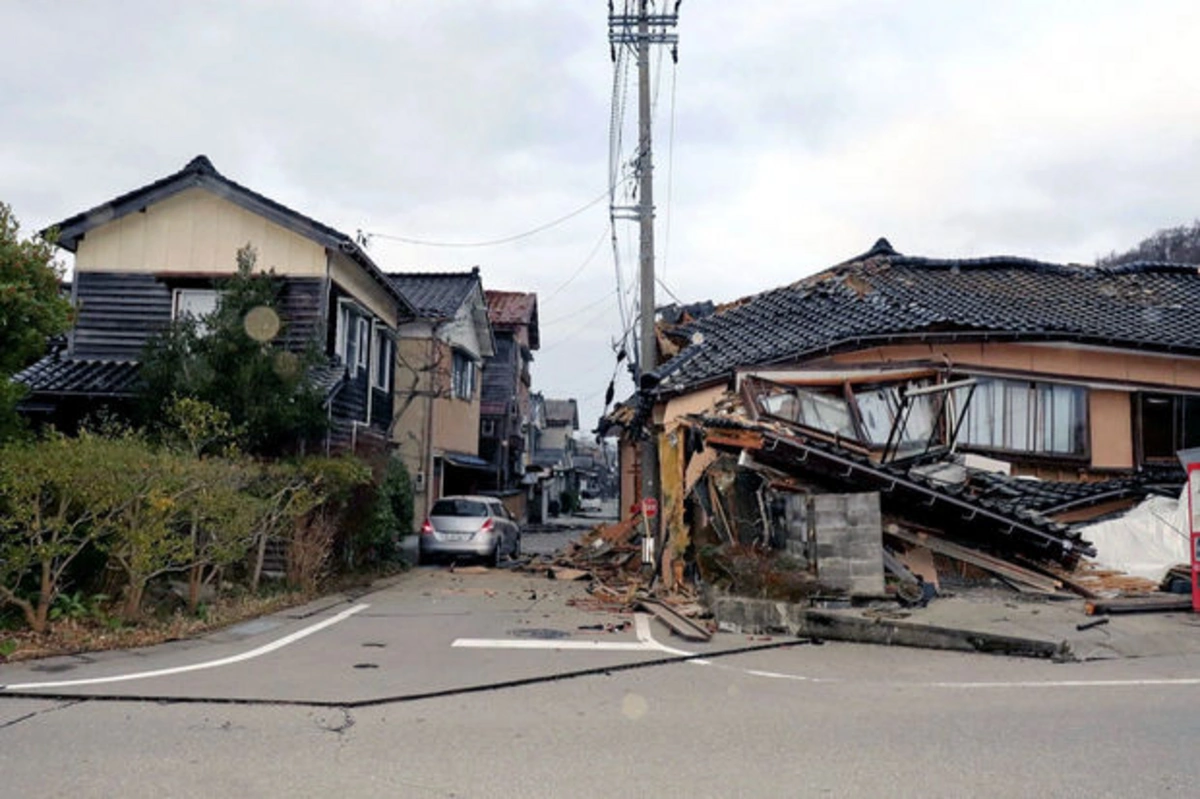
x: 539, y: 632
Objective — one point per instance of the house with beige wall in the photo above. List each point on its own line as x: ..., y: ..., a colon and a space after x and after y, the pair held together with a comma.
x: 157, y: 252
x: 440, y: 355
x: 1055, y: 371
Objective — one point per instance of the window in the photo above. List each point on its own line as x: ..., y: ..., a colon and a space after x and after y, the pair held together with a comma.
x: 1020, y: 416
x: 487, y: 428
x: 381, y: 373
x: 364, y: 338
x: 463, y: 376
x: 1168, y: 423
x: 195, y: 303
x: 353, y: 336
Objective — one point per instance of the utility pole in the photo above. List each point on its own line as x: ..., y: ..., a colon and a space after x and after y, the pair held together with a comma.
x: 642, y: 30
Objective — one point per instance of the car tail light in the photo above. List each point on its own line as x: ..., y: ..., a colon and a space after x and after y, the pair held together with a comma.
x: 426, y: 528
x: 487, y: 527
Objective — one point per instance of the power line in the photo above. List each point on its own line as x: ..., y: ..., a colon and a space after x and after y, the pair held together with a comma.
x: 577, y: 311
x: 493, y: 242
x: 586, y: 261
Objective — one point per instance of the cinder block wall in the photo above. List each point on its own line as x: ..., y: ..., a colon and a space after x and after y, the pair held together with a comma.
x: 849, y: 542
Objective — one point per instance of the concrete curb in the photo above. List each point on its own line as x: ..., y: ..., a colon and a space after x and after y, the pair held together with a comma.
x: 760, y: 616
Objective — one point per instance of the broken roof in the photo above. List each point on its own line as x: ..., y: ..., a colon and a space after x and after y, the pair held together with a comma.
x: 566, y: 411
x: 509, y: 309
x: 436, y: 295
x: 885, y: 297
x: 200, y: 173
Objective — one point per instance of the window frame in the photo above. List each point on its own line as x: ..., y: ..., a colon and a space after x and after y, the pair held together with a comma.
x: 462, y: 378
x: 381, y: 353
x: 1026, y: 409
x: 177, y: 297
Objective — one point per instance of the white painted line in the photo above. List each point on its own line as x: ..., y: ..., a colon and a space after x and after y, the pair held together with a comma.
x: 508, y: 643
x: 1061, y: 683
x: 211, y: 664
x: 641, y: 624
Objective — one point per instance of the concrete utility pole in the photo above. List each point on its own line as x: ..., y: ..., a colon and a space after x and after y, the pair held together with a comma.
x: 642, y: 30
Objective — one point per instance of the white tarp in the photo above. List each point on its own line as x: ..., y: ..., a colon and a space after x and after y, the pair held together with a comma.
x: 1146, y: 541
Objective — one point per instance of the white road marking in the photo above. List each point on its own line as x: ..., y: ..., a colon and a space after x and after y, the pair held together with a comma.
x: 647, y: 643
x: 211, y: 664
x: 506, y: 643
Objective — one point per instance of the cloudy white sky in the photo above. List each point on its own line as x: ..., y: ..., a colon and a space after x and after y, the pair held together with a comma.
x: 791, y: 135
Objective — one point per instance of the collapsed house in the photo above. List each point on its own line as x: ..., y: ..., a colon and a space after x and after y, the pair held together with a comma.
x: 980, y: 410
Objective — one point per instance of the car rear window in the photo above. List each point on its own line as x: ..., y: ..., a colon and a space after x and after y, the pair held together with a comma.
x: 458, y: 507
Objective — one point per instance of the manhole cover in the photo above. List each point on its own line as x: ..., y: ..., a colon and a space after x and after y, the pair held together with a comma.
x: 539, y: 632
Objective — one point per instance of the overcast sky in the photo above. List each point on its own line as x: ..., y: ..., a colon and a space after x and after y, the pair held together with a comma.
x: 789, y: 137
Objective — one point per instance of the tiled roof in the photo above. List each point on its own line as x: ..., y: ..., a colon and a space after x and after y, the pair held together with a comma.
x: 327, y: 377
x: 436, y: 295
x: 54, y: 375
x: 883, y: 296
x: 94, y: 378
x: 513, y: 308
x: 200, y: 172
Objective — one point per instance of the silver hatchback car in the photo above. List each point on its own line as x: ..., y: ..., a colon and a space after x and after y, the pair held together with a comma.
x: 470, y: 526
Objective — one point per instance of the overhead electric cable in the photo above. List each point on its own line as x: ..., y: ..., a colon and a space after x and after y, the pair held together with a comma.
x: 492, y: 242
x: 595, y: 249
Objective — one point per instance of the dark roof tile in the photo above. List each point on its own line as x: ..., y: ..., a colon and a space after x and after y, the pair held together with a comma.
x: 883, y: 295
x: 436, y: 295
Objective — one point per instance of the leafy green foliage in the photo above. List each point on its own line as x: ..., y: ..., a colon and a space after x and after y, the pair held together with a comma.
x: 261, y: 388
x: 390, y: 518
x: 54, y: 499
x: 31, y: 310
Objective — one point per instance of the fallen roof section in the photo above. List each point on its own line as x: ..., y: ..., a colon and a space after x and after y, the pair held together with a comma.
x: 950, y: 507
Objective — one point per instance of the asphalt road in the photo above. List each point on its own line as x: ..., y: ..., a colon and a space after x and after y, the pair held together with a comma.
x: 491, y: 685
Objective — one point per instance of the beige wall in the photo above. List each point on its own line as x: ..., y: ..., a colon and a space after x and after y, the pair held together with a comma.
x: 696, y: 402
x: 357, y: 283
x: 1083, y: 363
x: 195, y: 231
x: 1110, y: 421
x: 456, y: 423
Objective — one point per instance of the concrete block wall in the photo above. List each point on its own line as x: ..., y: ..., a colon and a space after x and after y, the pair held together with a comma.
x: 849, y: 534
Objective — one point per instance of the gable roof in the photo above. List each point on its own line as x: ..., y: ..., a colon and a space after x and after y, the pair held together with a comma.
x: 436, y: 295
x: 200, y: 173
x: 885, y: 297
x: 510, y: 309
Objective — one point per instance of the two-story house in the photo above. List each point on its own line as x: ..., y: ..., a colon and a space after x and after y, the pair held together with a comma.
x: 154, y: 253
x: 440, y: 354
x: 505, y: 427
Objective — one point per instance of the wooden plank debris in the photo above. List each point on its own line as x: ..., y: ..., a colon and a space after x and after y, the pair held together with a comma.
x: 1165, y: 603
x: 678, y: 623
x: 567, y: 574
x: 1008, y: 571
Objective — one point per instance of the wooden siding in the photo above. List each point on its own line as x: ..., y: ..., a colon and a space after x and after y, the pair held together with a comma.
x: 196, y: 232
x: 118, y: 314
x: 300, y: 308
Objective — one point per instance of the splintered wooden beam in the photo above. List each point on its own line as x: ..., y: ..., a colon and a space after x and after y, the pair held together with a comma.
x: 733, y: 437
x: 1001, y: 568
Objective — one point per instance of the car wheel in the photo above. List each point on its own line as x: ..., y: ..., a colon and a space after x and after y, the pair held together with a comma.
x: 496, y: 557
x: 516, y: 553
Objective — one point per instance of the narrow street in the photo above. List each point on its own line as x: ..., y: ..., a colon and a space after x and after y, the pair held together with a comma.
x: 455, y: 684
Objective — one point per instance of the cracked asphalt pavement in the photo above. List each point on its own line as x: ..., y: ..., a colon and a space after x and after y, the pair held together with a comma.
x: 456, y: 684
